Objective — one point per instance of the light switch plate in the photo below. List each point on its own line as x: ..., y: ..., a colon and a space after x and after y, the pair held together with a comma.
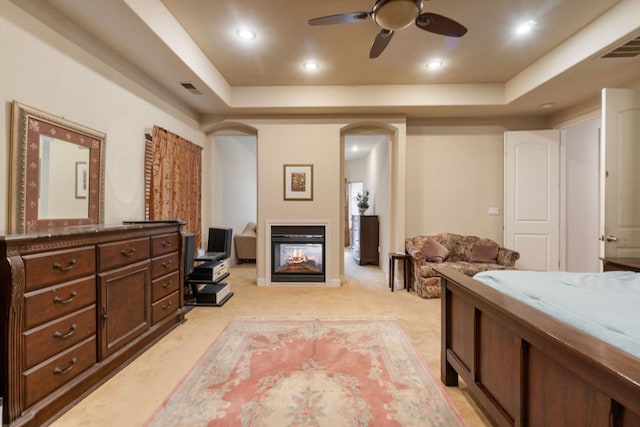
x: 494, y: 211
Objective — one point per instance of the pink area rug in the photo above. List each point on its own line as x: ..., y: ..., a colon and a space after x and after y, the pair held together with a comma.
x: 296, y: 372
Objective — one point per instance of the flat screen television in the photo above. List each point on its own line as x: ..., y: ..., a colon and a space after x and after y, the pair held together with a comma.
x: 219, y: 243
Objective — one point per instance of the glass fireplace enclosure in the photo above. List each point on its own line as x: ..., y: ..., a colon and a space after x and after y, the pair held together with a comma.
x: 297, y: 253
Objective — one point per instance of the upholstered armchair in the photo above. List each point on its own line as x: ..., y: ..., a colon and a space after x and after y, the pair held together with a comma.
x: 245, y: 244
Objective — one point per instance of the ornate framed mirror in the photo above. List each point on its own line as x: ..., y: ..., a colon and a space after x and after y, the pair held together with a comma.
x: 57, y: 172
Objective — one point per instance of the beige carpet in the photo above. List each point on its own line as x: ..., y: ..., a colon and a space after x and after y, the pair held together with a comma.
x: 132, y: 395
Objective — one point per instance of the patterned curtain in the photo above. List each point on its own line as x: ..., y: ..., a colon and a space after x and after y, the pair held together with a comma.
x: 176, y: 180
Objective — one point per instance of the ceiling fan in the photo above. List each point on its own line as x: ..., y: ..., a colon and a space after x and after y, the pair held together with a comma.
x: 394, y: 15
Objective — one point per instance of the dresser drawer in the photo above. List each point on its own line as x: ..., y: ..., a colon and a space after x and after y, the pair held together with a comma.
x: 54, y: 337
x: 164, y: 285
x: 48, y: 376
x: 118, y: 254
x: 50, y: 303
x: 164, y: 265
x: 164, y: 244
x: 46, y: 269
x: 164, y: 307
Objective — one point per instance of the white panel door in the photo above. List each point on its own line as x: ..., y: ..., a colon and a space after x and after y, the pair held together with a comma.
x: 532, y: 191
x: 621, y: 144
x: 579, y: 195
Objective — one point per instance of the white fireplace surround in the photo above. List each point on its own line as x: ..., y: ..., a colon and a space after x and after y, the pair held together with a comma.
x: 328, y: 248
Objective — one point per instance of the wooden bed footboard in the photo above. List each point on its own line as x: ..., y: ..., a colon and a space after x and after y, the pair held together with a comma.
x: 525, y: 368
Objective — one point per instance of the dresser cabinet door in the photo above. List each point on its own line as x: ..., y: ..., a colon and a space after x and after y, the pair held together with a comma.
x: 125, y: 306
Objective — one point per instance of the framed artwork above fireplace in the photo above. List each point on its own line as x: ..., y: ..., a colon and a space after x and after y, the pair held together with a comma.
x: 298, y: 182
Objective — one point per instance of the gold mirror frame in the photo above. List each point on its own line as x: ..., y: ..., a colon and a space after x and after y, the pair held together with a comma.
x: 27, y: 126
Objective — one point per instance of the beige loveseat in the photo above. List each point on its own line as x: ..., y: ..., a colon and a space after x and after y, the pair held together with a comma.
x: 467, y: 254
x: 245, y: 244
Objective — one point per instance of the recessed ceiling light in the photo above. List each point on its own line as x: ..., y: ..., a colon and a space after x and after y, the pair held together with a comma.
x: 245, y: 33
x: 434, y: 64
x: 525, y: 27
x: 548, y: 105
x: 310, y: 65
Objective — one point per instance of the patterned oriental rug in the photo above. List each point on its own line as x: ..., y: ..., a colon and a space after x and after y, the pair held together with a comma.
x: 298, y: 373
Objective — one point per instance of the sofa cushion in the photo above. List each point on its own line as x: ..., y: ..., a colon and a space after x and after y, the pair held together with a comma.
x: 434, y: 251
x: 468, y: 268
x: 485, y: 250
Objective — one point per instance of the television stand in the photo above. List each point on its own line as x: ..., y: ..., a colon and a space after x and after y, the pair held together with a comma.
x: 206, y: 286
x: 208, y: 293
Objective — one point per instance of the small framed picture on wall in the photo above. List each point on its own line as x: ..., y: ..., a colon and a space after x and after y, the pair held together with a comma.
x: 298, y: 182
x: 82, y: 180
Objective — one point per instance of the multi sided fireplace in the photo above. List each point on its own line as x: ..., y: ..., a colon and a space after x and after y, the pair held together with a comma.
x: 297, y: 253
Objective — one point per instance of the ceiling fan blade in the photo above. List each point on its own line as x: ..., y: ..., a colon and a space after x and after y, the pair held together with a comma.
x: 343, y: 18
x: 440, y: 25
x: 380, y: 43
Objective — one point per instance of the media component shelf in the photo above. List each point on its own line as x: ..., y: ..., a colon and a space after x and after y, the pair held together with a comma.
x: 207, y: 288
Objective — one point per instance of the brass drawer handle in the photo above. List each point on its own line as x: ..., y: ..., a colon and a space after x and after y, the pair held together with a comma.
x: 60, y: 371
x: 128, y: 254
x: 167, y: 263
x: 168, y: 284
x: 58, y: 266
x: 58, y: 334
x: 166, y: 306
x: 59, y: 300
x: 166, y: 243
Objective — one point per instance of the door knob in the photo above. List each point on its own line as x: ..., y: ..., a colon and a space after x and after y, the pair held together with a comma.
x: 611, y: 238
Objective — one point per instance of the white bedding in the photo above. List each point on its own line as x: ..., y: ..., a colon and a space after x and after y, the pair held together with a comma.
x: 605, y: 305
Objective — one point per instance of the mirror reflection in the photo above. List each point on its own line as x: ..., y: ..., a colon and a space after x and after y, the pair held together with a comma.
x: 56, y: 172
x: 64, y: 179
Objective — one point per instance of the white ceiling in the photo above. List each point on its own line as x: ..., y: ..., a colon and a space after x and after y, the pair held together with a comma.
x: 488, y: 72
x: 359, y: 146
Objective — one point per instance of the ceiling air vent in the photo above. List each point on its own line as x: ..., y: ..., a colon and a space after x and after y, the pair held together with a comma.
x: 191, y: 88
x: 627, y: 50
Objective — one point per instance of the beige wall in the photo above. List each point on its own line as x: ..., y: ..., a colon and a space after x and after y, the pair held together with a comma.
x: 318, y: 144
x: 42, y: 69
x: 454, y: 174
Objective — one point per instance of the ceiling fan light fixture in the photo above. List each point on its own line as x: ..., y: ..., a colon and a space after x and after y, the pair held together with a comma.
x: 396, y: 14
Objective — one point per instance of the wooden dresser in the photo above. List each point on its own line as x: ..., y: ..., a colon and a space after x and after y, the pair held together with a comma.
x: 364, y: 239
x: 78, y: 304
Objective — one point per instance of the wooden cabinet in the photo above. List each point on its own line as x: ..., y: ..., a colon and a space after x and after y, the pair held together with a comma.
x: 621, y: 264
x: 78, y: 304
x: 364, y: 239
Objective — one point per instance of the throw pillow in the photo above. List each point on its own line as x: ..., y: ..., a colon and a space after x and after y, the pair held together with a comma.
x: 486, y: 251
x: 434, y: 251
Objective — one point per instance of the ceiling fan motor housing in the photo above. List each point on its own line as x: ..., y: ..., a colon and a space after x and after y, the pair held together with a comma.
x: 396, y: 14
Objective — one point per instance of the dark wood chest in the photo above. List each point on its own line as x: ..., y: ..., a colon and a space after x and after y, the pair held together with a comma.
x: 78, y: 304
x: 364, y: 239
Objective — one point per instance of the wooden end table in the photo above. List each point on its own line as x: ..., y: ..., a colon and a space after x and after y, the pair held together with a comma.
x: 406, y: 259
